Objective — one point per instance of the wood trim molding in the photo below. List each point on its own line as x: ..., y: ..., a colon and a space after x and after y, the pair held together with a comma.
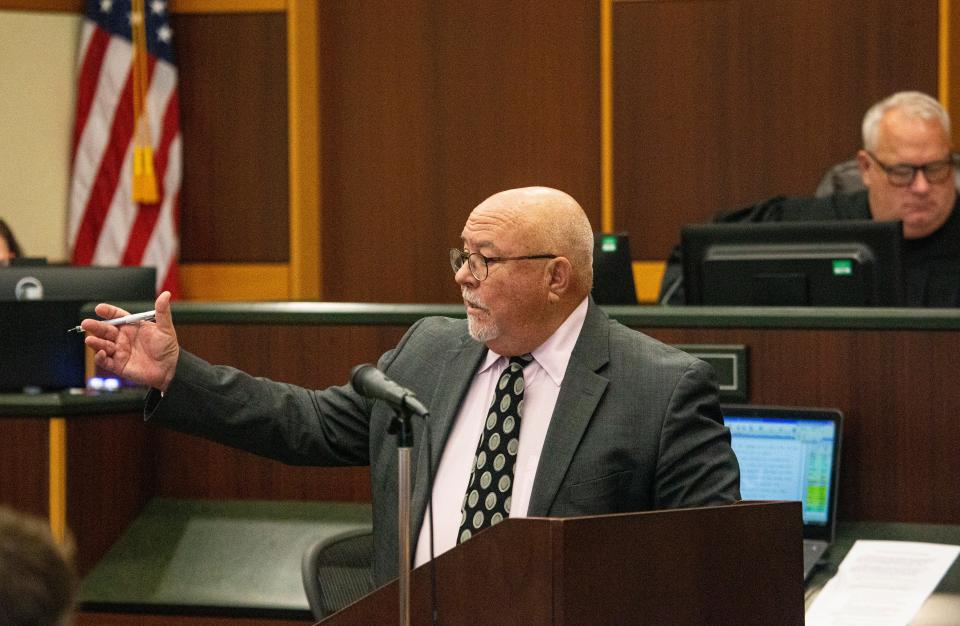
x: 949, y: 63
x: 606, y: 116
x: 943, y: 55
x: 176, y: 6
x: 235, y: 281
x: 228, y: 6
x: 303, y: 106
x: 64, y: 6
x: 57, y: 487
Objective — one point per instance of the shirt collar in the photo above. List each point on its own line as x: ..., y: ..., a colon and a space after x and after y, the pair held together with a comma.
x: 553, y: 355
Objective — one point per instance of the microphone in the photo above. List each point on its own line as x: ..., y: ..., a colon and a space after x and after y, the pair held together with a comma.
x: 373, y: 383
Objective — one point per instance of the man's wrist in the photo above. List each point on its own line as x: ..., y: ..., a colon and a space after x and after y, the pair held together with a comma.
x: 169, y: 374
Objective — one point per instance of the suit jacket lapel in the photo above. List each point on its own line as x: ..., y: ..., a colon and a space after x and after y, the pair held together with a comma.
x: 456, y: 374
x: 580, y: 392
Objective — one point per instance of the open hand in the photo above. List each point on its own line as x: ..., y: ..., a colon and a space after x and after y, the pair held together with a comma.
x: 145, y: 352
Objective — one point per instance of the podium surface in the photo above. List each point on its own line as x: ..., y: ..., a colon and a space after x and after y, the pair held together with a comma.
x: 728, y: 564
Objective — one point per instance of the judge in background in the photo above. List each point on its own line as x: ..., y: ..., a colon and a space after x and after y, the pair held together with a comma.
x: 906, y: 171
x: 599, y: 418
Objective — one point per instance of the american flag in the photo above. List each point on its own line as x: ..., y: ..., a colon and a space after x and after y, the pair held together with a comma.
x: 125, y: 189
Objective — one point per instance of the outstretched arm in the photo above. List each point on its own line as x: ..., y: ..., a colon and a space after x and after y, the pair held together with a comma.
x: 145, y: 352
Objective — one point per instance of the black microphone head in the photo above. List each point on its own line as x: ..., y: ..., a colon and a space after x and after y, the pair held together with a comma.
x: 359, y: 375
x: 372, y: 383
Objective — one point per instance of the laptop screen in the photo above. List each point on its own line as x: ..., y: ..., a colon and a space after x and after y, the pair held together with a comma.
x: 788, y: 453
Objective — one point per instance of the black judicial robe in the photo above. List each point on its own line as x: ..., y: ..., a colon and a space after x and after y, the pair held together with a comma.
x: 931, y: 265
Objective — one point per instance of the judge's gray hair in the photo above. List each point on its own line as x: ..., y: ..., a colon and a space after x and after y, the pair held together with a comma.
x: 913, y: 104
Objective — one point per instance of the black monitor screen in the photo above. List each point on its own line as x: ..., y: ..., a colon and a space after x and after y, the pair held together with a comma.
x: 613, y: 270
x: 36, y: 351
x: 37, y: 307
x: 839, y: 263
x: 86, y: 284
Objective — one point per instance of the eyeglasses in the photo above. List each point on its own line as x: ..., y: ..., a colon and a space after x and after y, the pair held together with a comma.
x: 902, y: 174
x: 479, y: 265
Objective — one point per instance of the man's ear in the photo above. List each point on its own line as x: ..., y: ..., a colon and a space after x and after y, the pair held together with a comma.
x: 558, y: 275
x: 864, y: 163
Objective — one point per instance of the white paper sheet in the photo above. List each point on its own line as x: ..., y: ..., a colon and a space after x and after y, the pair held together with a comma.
x: 881, y: 583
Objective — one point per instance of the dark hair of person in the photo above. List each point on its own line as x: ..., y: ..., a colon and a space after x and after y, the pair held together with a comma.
x: 38, y: 582
x: 7, y: 235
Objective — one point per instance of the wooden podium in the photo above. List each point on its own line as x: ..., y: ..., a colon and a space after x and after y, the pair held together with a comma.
x: 737, y: 564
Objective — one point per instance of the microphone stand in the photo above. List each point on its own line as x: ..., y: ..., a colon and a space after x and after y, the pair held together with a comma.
x: 400, y: 426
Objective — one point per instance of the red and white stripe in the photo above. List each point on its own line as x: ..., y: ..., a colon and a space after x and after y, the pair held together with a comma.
x: 106, y: 226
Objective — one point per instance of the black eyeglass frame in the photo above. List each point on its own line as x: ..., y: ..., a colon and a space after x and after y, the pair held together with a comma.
x: 948, y: 164
x: 460, y: 257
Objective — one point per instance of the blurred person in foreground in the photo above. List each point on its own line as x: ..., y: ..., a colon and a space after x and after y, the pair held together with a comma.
x: 38, y: 583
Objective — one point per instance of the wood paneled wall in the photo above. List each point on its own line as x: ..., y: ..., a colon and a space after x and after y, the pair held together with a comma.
x: 111, y: 474
x: 722, y: 104
x: 425, y: 108
x: 233, y: 92
x: 429, y: 107
x: 312, y: 356
x: 26, y: 457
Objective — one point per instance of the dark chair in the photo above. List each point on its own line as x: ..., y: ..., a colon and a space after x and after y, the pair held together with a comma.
x: 845, y: 178
x: 841, y: 178
x: 338, y: 570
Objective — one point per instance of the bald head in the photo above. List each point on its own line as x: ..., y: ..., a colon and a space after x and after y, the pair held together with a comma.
x: 534, y: 247
x: 549, y: 221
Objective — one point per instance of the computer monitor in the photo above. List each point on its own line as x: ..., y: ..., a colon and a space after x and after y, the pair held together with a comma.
x: 28, y: 260
x: 36, y: 352
x: 79, y: 284
x: 837, y: 263
x: 38, y: 304
x: 613, y: 270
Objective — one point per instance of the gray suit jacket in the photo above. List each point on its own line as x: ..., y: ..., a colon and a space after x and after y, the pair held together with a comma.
x: 636, y: 425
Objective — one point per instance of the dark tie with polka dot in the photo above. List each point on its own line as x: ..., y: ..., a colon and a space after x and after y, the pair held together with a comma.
x: 487, y: 501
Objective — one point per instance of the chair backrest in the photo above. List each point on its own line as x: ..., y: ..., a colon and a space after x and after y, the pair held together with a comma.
x: 338, y: 570
x: 845, y: 178
x: 841, y: 178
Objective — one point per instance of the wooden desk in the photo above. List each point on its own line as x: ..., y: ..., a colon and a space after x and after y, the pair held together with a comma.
x: 33, y: 446
x: 891, y: 371
x: 228, y: 558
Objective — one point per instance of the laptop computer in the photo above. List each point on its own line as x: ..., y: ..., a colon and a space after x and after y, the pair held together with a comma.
x: 791, y: 453
x: 613, y: 270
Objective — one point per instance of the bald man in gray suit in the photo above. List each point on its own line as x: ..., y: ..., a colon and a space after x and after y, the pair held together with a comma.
x: 612, y: 420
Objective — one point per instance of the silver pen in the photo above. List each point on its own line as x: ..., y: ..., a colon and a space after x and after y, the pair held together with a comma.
x: 146, y: 316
